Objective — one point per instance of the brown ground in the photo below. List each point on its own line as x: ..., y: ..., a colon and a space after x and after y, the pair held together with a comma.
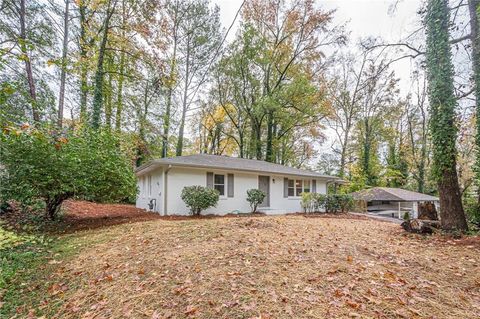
x: 81, y: 215
x: 270, y: 267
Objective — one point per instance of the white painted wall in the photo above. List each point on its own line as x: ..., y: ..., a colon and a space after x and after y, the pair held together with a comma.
x: 177, y: 178
x: 145, y: 194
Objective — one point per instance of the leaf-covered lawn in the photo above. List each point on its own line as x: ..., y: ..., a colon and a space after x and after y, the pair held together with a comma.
x: 264, y: 267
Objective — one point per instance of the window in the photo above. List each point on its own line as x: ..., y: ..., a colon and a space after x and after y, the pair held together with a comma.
x: 219, y: 183
x: 291, y: 187
x: 306, y: 186
x: 297, y: 187
x: 149, y: 185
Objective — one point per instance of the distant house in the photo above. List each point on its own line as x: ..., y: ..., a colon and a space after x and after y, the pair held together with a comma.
x: 161, y: 182
x: 393, y: 201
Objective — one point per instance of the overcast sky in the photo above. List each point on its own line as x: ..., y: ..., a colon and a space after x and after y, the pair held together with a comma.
x: 364, y: 18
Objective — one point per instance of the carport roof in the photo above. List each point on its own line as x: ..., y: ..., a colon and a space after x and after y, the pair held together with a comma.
x: 392, y: 194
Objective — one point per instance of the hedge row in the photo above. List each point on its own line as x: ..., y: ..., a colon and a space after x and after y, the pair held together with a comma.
x: 335, y: 203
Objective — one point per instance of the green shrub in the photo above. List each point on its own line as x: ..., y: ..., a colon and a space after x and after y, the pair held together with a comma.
x: 307, y: 202
x: 255, y: 197
x: 198, y: 198
x: 335, y: 203
x: 41, y: 165
x: 340, y: 203
x: 313, y: 202
x: 472, y: 210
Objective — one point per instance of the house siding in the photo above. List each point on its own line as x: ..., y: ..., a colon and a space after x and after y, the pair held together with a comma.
x: 178, y: 177
x: 144, y: 195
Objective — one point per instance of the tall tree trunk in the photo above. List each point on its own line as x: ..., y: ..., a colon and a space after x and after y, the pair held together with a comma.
x: 166, y: 118
x: 142, y: 119
x: 366, y: 153
x: 83, y: 59
x: 28, y: 65
x: 269, y: 149
x: 423, y: 155
x: 121, y: 70
x: 474, y: 8
x: 61, y: 98
x: 257, y: 129
x: 108, y: 91
x: 442, y: 124
x: 343, y: 155
x: 241, y: 145
x: 184, y: 103
x: 99, y: 74
x: 171, y: 80
x: 119, y: 104
x: 421, y: 169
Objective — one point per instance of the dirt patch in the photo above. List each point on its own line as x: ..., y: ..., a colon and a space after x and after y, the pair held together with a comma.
x: 273, y: 267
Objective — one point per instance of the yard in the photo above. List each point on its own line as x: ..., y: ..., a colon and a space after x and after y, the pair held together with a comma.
x: 254, y: 267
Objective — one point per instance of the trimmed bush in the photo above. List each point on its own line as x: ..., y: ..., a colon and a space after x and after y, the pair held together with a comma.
x: 255, y: 197
x: 199, y: 198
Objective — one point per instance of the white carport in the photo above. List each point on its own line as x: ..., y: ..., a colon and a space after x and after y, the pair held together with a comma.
x: 394, y: 202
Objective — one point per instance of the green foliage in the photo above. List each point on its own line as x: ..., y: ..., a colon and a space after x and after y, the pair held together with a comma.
x: 339, y: 203
x: 472, y: 210
x: 443, y: 124
x: 14, y: 259
x: 15, y: 99
x: 199, y: 198
x: 397, y: 167
x: 9, y: 239
x: 443, y: 129
x: 333, y: 203
x: 255, y: 197
x: 312, y: 202
x: 28, y: 265
x: 41, y: 165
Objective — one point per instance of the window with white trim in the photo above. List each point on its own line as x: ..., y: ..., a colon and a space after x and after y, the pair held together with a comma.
x: 298, y: 186
x: 219, y: 183
x: 291, y: 187
x: 306, y: 186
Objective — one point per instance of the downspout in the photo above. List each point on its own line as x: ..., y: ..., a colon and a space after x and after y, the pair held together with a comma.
x: 165, y: 178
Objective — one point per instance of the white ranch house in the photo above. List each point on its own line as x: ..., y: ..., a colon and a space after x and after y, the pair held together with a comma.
x: 160, y: 184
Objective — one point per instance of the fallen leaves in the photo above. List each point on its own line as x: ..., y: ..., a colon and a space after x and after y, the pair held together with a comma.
x: 271, y: 267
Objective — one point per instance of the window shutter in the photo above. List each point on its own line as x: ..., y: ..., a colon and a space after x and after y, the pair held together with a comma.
x: 285, y: 187
x: 314, y: 185
x: 209, y: 180
x: 230, y: 185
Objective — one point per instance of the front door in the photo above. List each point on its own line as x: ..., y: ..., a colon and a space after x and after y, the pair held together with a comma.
x: 264, y: 185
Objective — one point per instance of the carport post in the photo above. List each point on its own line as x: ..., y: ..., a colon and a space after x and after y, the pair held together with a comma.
x: 399, y: 217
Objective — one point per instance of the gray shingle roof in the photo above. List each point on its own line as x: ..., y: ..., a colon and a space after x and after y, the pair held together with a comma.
x: 229, y: 163
x: 392, y: 194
